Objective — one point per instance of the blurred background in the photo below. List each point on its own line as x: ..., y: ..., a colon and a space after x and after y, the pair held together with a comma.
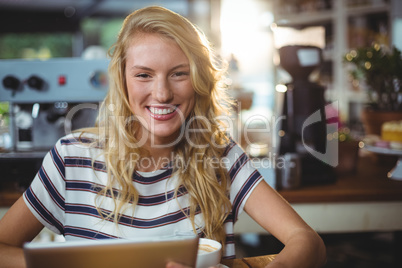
x: 73, y: 37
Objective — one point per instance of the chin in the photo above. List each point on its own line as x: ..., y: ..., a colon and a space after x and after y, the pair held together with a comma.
x: 168, y: 136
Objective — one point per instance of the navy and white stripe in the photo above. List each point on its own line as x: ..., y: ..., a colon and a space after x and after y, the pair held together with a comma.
x: 64, y: 196
x: 43, y: 211
x: 86, y: 233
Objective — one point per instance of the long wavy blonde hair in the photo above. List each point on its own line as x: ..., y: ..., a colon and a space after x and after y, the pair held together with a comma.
x: 207, y: 185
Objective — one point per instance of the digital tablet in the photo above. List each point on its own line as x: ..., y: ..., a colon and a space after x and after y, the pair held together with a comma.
x: 107, y: 253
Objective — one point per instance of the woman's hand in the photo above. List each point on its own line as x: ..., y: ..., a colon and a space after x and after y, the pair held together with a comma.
x: 176, y: 265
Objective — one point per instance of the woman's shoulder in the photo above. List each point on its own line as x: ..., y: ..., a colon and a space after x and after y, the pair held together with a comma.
x: 79, y: 137
x: 232, y: 148
x: 79, y: 141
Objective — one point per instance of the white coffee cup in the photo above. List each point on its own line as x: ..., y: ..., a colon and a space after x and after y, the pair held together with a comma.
x: 209, y: 253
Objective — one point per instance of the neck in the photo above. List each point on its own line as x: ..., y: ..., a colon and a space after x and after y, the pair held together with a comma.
x: 159, y: 153
x: 156, y: 158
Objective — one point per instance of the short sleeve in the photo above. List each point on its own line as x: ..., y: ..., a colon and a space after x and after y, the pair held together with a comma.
x: 244, y: 177
x: 45, y: 195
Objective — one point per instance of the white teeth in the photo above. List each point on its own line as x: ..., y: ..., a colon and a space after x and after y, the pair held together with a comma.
x: 155, y: 110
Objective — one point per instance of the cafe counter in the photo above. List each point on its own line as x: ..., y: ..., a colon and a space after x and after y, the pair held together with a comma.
x: 254, y: 262
x: 364, y: 201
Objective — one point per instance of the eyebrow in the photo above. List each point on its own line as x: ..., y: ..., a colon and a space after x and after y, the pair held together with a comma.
x: 150, y: 69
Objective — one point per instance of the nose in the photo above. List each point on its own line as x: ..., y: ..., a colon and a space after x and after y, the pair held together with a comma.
x: 162, y: 91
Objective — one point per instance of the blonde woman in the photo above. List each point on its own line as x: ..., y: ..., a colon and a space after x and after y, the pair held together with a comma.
x: 159, y: 161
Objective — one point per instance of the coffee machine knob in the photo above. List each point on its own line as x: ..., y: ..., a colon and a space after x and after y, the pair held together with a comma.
x: 35, y: 82
x: 11, y: 82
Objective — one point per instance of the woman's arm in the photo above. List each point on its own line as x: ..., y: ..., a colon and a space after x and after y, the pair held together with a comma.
x: 303, y: 246
x: 17, y: 226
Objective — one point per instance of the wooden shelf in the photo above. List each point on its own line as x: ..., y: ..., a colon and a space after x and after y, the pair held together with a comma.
x: 337, y: 20
x: 326, y: 16
x: 305, y: 18
x: 368, y: 9
x: 369, y: 184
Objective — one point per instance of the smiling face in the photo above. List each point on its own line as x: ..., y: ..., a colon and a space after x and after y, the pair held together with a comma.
x: 159, y: 87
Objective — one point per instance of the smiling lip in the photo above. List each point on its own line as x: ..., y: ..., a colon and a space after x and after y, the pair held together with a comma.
x: 162, y: 113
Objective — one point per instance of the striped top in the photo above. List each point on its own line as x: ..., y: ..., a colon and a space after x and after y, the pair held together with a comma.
x: 63, y: 196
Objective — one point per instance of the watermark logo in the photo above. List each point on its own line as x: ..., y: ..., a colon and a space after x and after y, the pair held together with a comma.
x: 330, y: 156
x: 270, y: 128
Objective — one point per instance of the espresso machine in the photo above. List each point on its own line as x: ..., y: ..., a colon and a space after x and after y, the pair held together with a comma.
x: 304, y: 144
x: 47, y: 99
